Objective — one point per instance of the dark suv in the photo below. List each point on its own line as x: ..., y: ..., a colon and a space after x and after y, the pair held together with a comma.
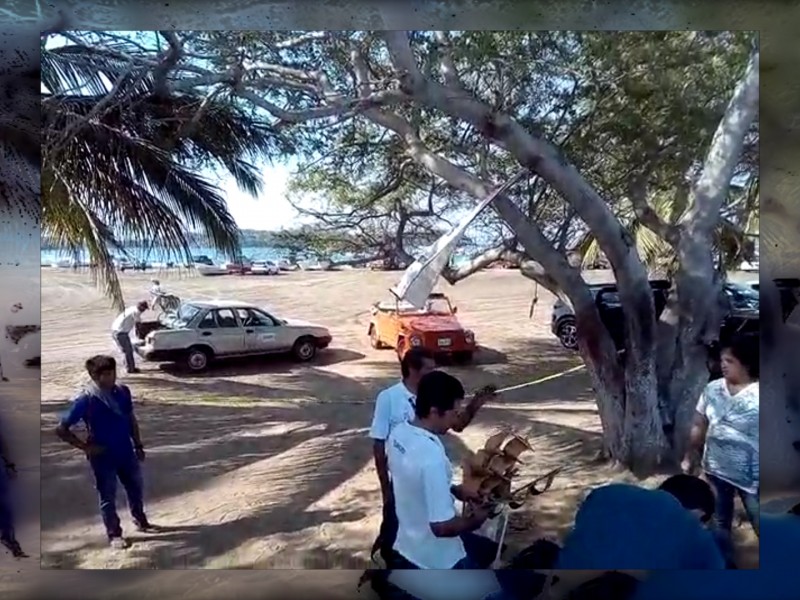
x: 740, y: 319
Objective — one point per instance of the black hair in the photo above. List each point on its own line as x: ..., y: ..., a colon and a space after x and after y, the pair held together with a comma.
x: 99, y: 364
x: 437, y: 390
x: 692, y: 492
x: 745, y: 350
x: 414, y: 359
x: 143, y: 305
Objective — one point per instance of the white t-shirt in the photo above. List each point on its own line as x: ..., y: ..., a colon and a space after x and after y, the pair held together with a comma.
x: 393, y: 406
x: 421, y: 479
x: 126, y: 320
x: 731, y: 449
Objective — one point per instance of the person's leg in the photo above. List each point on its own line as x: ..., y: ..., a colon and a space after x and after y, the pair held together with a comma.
x: 6, y: 514
x: 724, y: 494
x: 752, y: 507
x: 387, y: 534
x: 105, y: 476
x: 124, y: 342
x: 480, y: 550
x: 131, y: 478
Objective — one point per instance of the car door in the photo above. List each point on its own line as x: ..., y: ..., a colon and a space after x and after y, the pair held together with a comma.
x: 220, y: 328
x: 261, y: 331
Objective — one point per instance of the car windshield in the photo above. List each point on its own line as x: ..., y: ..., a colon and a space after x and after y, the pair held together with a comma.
x: 742, y: 297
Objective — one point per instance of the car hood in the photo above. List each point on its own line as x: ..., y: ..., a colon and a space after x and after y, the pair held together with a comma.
x: 432, y: 323
x: 302, y: 323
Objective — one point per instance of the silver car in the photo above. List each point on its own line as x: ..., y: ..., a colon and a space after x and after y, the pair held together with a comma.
x: 200, y: 332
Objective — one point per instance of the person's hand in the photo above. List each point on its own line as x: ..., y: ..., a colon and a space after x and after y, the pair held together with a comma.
x: 484, y: 395
x: 92, y: 450
x: 140, y: 454
x: 689, y: 466
x: 480, y: 512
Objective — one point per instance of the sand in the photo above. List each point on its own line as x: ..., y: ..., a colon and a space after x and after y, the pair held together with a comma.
x: 265, y: 463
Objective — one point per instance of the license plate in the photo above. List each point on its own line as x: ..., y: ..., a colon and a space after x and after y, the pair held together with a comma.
x: 444, y: 342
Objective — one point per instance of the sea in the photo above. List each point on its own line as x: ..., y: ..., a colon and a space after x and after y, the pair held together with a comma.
x: 156, y: 256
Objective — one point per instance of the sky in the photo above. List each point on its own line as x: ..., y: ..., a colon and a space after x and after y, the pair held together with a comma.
x: 270, y: 211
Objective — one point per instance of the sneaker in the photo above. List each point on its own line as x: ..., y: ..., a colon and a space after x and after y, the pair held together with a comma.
x: 118, y: 543
x: 146, y: 527
x: 134, y: 371
x: 13, y: 547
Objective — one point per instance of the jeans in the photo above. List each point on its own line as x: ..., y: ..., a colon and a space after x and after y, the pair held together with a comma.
x: 723, y: 513
x: 123, y: 342
x: 106, y: 473
x: 6, y: 511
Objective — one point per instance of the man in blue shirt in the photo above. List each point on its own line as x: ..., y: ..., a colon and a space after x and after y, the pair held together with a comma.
x: 626, y: 527
x: 113, y: 445
x: 8, y: 472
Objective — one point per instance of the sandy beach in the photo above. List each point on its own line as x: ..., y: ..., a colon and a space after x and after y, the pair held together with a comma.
x: 266, y: 464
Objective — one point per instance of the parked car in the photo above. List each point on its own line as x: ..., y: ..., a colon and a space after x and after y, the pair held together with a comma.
x: 201, y: 332
x: 264, y: 267
x: 741, y: 319
x: 238, y: 265
x: 401, y: 326
x: 202, y: 259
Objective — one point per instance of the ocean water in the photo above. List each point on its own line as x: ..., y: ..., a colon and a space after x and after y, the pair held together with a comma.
x: 155, y: 255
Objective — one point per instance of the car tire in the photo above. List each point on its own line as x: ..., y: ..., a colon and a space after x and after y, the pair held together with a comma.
x: 305, y: 349
x: 374, y: 341
x: 197, y: 359
x: 463, y: 358
x: 567, y: 334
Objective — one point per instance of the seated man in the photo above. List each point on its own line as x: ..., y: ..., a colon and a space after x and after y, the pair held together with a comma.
x: 626, y: 527
x: 429, y: 533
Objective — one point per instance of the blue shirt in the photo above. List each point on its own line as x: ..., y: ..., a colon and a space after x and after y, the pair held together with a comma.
x: 778, y: 577
x: 626, y: 527
x: 107, y: 428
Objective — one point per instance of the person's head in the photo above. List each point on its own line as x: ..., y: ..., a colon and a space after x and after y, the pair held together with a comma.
x: 416, y: 363
x: 142, y: 306
x: 155, y: 282
x: 694, y: 494
x: 103, y: 370
x: 739, y: 360
x: 439, y: 397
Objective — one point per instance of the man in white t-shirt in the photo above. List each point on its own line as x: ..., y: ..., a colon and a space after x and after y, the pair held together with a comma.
x: 393, y: 406
x: 429, y: 528
x: 121, y: 330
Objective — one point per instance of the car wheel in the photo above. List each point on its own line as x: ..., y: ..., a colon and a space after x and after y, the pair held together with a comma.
x: 197, y: 359
x: 305, y: 349
x: 463, y: 358
x: 568, y: 335
x: 373, y: 339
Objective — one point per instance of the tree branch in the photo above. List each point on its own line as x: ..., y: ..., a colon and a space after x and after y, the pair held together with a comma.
x: 637, y: 194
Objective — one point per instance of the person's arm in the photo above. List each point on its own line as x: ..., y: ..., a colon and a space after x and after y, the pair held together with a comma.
x: 379, y: 432
x: 468, y: 412
x: 697, y: 435
x: 442, y: 517
x: 460, y: 494
x: 76, y: 413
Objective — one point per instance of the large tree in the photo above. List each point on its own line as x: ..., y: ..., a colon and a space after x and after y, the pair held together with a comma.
x: 467, y: 109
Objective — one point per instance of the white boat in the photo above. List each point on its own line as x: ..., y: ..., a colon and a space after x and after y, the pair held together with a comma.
x: 210, y: 270
x: 63, y: 264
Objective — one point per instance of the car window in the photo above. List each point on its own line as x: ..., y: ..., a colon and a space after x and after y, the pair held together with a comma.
x: 254, y: 318
x: 226, y: 318
x: 208, y: 321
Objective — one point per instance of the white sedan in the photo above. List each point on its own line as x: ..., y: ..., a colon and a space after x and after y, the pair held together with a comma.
x: 264, y: 267
x: 203, y: 331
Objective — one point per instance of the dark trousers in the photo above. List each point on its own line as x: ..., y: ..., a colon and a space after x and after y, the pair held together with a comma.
x: 723, y: 513
x: 123, y: 341
x: 6, y: 511
x: 129, y: 473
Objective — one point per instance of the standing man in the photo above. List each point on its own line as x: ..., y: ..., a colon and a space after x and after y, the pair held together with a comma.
x: 393, y: 406
x: 113, y: 444
x: 429, y: 533
x: 8, y: 472
x: 121, y: 330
